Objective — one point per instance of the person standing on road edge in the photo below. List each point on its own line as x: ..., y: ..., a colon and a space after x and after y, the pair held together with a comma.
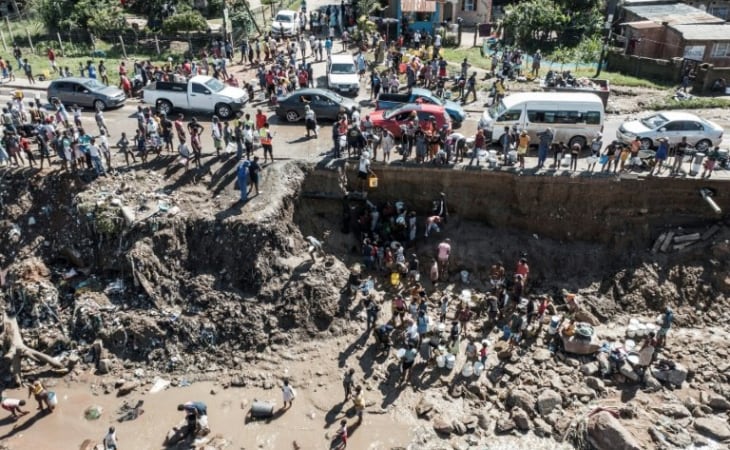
x: 545, y: 140
x: 265, y: 137
x: 253, y: 171
x: 28, y: 71
x: 242, y: 174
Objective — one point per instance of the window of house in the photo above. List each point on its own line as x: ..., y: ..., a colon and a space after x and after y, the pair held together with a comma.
x: 719, y: 11
x: 721, y: 50
x: 468, y: 5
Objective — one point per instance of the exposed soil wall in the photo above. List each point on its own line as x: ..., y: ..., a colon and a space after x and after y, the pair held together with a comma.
x: 623, y: 213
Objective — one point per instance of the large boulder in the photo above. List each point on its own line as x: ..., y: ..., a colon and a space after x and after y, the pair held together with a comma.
x: 442, y: 426
x: 547, y: 401
x: 521, y: 419
x: 713, y: 428
x: 674, y: 376
x: 605, y: 432
x: 521, y: 399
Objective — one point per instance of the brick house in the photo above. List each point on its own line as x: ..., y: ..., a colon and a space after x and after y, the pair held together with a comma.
x: 666, y: 31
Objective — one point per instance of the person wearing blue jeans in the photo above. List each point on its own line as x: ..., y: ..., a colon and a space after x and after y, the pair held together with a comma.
x: 95, y: 155
x: 545, y: 139
x: 243, y: 179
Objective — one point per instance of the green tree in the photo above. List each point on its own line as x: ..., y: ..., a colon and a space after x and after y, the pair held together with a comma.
x: 97, y: 16
x: 184, y: 22
x: 543, y: 23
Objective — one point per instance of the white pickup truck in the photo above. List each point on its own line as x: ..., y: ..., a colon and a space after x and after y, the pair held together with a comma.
x: 201, y: 94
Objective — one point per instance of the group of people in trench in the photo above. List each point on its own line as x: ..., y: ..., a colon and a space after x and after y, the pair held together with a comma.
x: 427, y: 322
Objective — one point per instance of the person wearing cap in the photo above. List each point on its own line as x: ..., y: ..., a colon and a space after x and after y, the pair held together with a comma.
x: 662, y: 151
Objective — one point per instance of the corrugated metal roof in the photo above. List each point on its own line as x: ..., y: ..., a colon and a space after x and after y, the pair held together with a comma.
x: 673, y: 14
x: 704, y: 32
x: 642, y: 24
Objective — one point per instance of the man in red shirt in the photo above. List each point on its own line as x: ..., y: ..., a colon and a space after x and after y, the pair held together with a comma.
x: 260, y: 119
x: 52, y: 59
x: 522, y: 268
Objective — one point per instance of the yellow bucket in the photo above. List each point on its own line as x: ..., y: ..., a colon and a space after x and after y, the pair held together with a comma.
x: 395, y: 278
x: 372, y: 181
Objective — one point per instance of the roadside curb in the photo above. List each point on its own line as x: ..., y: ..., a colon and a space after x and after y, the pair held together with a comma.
x: 24, y: 88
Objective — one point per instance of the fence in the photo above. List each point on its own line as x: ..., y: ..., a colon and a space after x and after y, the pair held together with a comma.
x: 31, y: 35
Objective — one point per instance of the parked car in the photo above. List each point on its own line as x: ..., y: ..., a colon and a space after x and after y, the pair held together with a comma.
x: 392, y: 119
x: 86, y: 92
x: 673, y: 125
x: 342, y: 74
x: 201, y: 93
x: 418, y: 95
x: 325, y: 104
x: 285, y: 23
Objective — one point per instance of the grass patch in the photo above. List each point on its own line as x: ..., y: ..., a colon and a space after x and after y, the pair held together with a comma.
x: 668, y: 103
x: 456, y: 55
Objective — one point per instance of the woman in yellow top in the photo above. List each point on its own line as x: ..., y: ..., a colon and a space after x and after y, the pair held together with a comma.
x: 523, y: 143
x: 40, y: 394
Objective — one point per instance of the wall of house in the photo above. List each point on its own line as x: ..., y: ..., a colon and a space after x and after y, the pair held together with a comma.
x: 649, y: 41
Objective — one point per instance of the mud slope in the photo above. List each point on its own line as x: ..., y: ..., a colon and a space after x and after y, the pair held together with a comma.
x: 156, y: 273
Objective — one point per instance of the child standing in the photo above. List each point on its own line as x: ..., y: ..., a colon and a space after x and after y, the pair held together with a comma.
x: 342, y: 434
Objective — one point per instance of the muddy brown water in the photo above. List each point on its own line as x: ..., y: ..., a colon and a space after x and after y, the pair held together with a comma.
x: 304, y: 423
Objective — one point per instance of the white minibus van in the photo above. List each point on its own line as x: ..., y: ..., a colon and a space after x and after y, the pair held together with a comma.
x: 573, y: 117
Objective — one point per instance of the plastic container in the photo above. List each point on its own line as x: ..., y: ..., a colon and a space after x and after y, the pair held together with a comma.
x: 401, y: 353
x: 52, y: 399
x: 633, y: 322
x: 478, y: 369
x: 641, y: 330
x: 441, y: 361
x: 468, y: 370
x: 464, y: 276
x: 441, y: 327
x: 650, y: 328
x: 631, y: 331
x: 465, y: 295
x: 554, y: 323
x: 450, y: 361
x: 262, y: 410
x: 629, y: 345
x: 633, y: 358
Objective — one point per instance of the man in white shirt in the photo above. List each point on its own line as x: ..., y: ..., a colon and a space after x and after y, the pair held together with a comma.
x: 110, y: 440
x: 13, y: 405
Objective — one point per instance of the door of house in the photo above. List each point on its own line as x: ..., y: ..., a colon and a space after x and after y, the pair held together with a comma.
x: 448, y: 12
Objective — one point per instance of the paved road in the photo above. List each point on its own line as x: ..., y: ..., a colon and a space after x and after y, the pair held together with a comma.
x: 289, y: 140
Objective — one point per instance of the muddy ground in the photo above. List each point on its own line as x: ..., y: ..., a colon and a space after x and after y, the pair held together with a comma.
x: 174, y: 279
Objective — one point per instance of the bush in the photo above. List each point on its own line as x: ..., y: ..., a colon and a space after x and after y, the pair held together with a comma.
x: 184, y: 22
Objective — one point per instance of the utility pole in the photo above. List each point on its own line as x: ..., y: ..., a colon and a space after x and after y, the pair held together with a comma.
x: 608, y: 30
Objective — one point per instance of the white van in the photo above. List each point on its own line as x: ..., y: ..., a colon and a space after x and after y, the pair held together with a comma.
x: 573, y: 117
x: 342, y: 76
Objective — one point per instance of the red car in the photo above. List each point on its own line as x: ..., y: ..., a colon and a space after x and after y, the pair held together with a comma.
x: 392, y: 119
